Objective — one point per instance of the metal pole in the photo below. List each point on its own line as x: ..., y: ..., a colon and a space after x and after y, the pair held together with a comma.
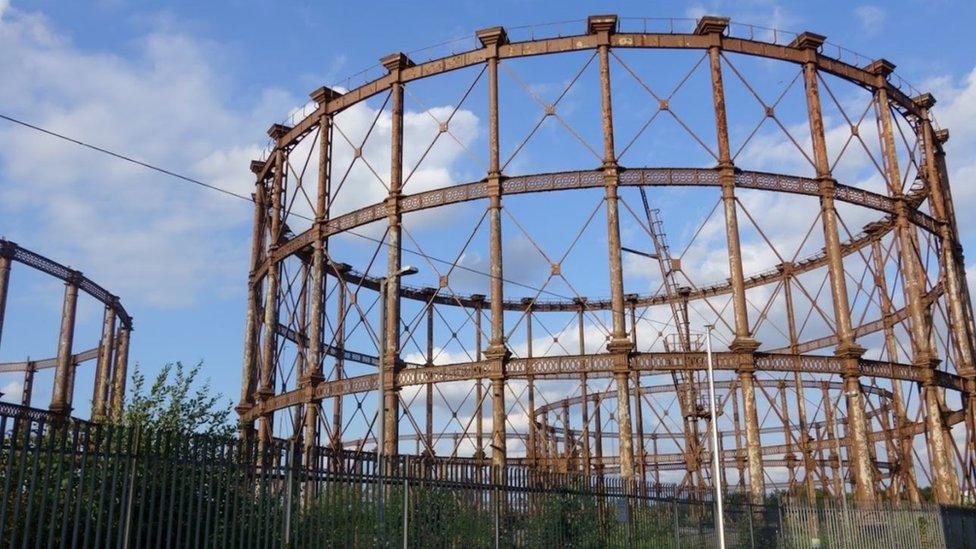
x: 127, y: 528
x: 61, y: 395
x: 380, y: 410
x: 716, y: 466
x: 406, y: 506
x: 104, y: 364
x: 381, y: 417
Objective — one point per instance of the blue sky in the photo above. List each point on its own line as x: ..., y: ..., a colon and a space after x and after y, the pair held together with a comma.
x: 193, y: 86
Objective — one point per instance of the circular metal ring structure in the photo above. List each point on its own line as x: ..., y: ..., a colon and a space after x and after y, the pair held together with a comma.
x: 111, y: 355
x: 809, y: 182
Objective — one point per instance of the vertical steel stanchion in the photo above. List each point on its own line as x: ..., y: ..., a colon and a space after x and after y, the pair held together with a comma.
x: 496, y: 516
x: 132, y: 481
x: 406, y: 507
x: 752, y: 537
x: 289, y: 468
x: 674, y: 508
x: 716, y: 464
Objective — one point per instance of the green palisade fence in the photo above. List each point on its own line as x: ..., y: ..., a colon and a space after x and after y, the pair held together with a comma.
x: 70, y: 483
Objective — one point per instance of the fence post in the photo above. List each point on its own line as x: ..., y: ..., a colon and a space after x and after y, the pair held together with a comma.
x: 752, y: 536
x: 289, y: 466
x: 132, y: 481
x: 674, y: 508
x: 497, y: 504
x: 406, y: 506
x: 779, y: 511
x: 632, y: 489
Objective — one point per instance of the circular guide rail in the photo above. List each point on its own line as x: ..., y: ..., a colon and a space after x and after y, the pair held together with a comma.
x: 111, y: 355
x: 318, y: 330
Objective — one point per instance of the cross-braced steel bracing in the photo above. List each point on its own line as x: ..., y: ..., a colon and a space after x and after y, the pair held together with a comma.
x: 457, y: 259
x: 111, y: 354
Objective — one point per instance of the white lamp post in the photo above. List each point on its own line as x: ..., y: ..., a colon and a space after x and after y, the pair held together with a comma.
x: 716, y: 463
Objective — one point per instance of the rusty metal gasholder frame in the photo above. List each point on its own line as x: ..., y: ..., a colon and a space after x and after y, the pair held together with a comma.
x: 111, y: 355
x: 817, y: 410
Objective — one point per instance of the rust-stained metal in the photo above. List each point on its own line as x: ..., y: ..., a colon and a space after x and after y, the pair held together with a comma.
x: 790, y: 418
x: 107, y: 397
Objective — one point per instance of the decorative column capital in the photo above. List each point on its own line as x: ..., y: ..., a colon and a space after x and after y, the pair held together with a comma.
x: 807, y: 41
x: 324, y: 94
x: 711, y: 24
x: 7, y: 248
x: 498, y: 351
x: 620, y: 346
x: 744, y: 345
x: 277, y: 131
x: 395, y: 63
x: 312, y: 379
x: 74, y: 278
x: 924, y: 101
x: 880, y: 67
x: 602, y: 25
x: 827, y: 185
x: 491, y: 38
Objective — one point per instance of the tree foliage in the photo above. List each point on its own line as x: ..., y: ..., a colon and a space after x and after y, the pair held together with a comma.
x: 180, y: 405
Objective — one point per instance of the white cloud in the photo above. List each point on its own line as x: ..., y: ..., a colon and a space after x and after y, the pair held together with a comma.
x: 143, y: 235
x: 767, y: 14
x: 140, y: 234
x: 956, y: 110
x: 871, y: 17
x: 12, y: 391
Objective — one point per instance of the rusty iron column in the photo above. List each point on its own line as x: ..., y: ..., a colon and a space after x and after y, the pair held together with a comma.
x: 269, y: 337
x: 906, y: 466
x: 497, y: 352
x: 801, y: 404
x: 60, y: 397
x: 584, y: 390
x: 25, y: 395
x: 620, y: 345
x: 567, y: 438
x: 862, y: 469
x: 919, y: 327
x: 641, y: 455
x: 249, y: 373
x: 395, y: 64
x: 598, y: 435
x: 103, y: 365
x: 120, y: 371
x: 479, y: 420
x: 740, y: 458
x: 314, y: 375
x: 789, y: 456
x: 532, y: 450
x: 340, y: 348
x: 7, y: 250
x: 743, y: 343
x: 833, y: 445
x: 546, y: 452
x: 942, y: 202
x: 953, y: 268
x: 300, y: 320
x: 950, y: 257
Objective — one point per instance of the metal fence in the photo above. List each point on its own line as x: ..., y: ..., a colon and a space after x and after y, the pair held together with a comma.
x: 880, y: 525
x: 76, y: 484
